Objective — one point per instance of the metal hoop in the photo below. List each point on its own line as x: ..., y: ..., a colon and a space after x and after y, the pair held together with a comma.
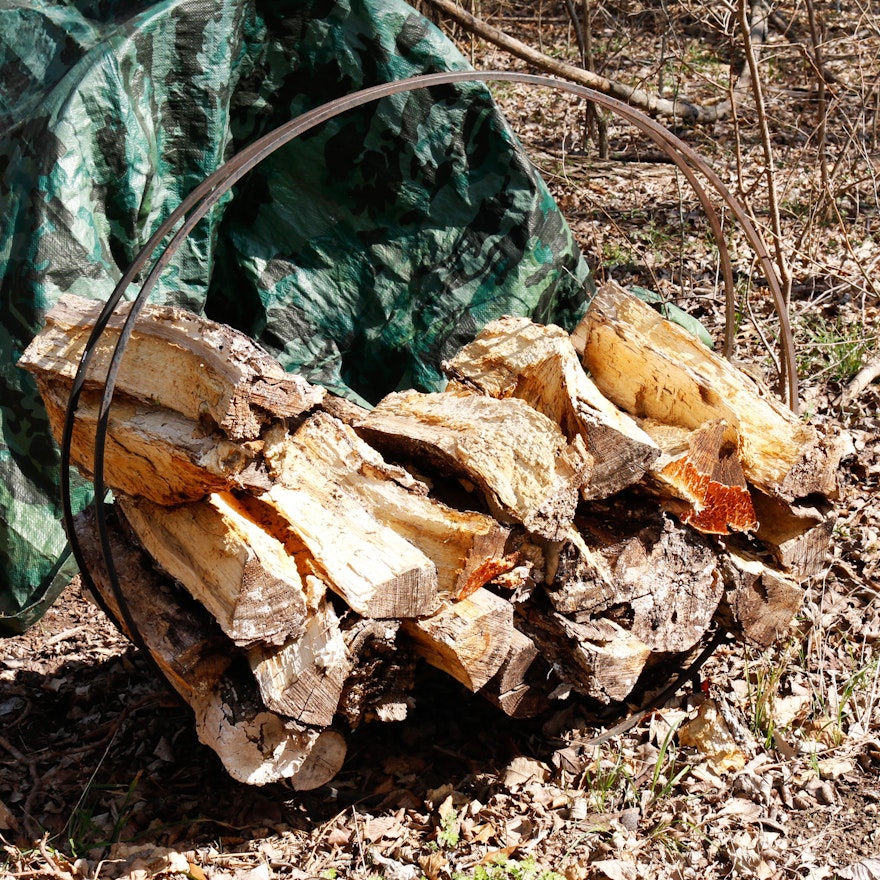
x: 197, y: 204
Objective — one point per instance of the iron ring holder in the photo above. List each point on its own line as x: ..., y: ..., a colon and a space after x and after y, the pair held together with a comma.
x: 197, y: 204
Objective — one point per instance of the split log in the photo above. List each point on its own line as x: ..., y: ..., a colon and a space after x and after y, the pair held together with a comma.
x: 652, y: 368
x: 701, y: 467
x: 152, y: 452
x: 376, y: 571
x: 514, y: 357
x: 241, y: 574
x: 598, y: 658
x: 467, y: 547
x: 303, y: 679
x: 759, y: 602
x: 468, y: 640
x: 202, y: 665
x: 379, y: 686
x: 518, y: 458
x: 798, y: 535
x: 522, y: 684
x: 578, y: 577
x: 206, y: 371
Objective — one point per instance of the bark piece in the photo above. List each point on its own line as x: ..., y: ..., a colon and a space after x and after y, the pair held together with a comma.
x: 598, y: 658
x: 659, y: 579
x: 518, y: 458
x: 702, y: 468
x: 153, y: 452
x: 204, y: 370
x: 468, y: 640
x: 654, y: 369
x: 514, y: 357
x: 303, y: 678
x: 759, y: 603
x: 242, y: 575
x: 798, y: 535
x: 341, y: 408
x: 467, y: 547
x: 201, y: 664
x: 379, y: 685
x: 579, y: 577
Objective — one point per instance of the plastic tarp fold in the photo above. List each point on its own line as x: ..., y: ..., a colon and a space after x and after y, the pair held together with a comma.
x: 360, y: 255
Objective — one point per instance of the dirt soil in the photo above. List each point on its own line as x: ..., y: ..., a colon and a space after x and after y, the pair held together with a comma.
x: 101, y: 774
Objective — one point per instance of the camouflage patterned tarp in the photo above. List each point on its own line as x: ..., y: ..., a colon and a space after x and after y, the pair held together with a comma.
x: 360, y: 255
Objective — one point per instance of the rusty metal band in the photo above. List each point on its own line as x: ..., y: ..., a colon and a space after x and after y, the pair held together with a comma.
x: 196, y: 205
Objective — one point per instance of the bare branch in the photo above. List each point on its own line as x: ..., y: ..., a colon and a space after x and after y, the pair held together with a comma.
x: 868, y: 374
x: 650, y: 104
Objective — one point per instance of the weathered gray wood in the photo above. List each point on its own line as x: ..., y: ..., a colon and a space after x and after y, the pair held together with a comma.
x: 659, y: 578
x: 468, y: 640
x: 598, y: 658
x: 759, y: 602
x: 379, y: 686
x: 303, y: 678
x: 521, y: 686
x: 798, y: 535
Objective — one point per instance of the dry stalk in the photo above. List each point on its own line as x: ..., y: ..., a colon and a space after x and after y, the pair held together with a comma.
x: 758, y: 9
x: 822, y: 111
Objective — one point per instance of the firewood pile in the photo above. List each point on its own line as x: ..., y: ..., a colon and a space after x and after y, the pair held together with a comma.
x: 570, y: 512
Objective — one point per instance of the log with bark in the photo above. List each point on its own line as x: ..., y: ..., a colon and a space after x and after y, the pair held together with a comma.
x: 571, y: 512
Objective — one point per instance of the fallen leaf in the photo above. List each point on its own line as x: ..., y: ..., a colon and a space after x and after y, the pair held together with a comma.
x: 788, y: 709
x: 435, y: 796
x: 382, y: 826
x: 615, y: 869
x: 483, y: 833
x: 432, y: 864
x: 196, y: 872
x: 446, y: 807
x: 517, y: 830
x: 834, y: 768
x: 394, y: 870
x: 8, y: 822
x: 261, y: 872
x: 339, y: 836
x: 522, y: 770
x: 867, y: 869
x: 709, y: 734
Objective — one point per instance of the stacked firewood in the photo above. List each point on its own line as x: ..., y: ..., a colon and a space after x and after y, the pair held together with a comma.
x: 570, y: 511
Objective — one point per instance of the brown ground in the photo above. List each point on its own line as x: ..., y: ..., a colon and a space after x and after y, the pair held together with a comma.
x: 101, y: 775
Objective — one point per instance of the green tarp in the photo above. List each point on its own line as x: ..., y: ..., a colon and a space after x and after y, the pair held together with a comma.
x: 360, y: 255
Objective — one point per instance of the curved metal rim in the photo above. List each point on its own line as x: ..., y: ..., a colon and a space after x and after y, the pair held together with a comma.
x: 197, y: 204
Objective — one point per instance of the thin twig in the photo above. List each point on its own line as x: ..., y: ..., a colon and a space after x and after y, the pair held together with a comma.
x: 50, y: 861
